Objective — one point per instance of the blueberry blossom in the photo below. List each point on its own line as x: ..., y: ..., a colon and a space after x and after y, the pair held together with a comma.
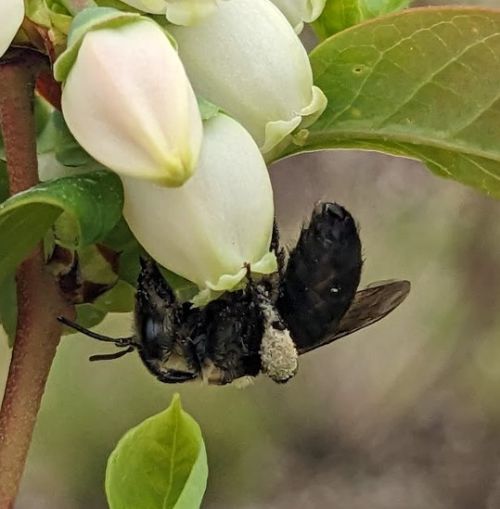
x: 247, y: 59
x: 11, y: 17
x: 180, y: 12
x: 218, y: 221
x: 299, y: 11
x: 127, y: 99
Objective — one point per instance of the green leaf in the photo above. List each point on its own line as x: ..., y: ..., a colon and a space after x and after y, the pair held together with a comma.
x: 4, y: 182
x: 57, y: 138
x: 68, y: 151
x: 341, y: 14
x: 90, y: 203
x: 75, y: 6
x: 423, y: 84
x: 119, y: 299
x: 88, y: 316
x: 8, y: 306
x: 121, y: 240
x: 160, y: 464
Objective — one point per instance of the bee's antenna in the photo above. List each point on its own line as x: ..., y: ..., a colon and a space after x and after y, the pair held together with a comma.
x: 111, y: 356
x: 94, y: 335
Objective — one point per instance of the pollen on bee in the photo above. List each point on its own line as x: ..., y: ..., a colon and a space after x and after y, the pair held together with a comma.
x: 278, y: 355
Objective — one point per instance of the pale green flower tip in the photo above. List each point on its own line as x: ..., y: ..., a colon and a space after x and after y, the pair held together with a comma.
x: 185, y: 14
x: 227, y: 282
x: 278, y: 130
x: 268, y: 264
x: 314, y: 10
x: 299, y: 11
x: 175, y: 174
x: 12, y: 15
x: 204, y: 297
x: 149, y: 6
x: 315, y: 108
x: 93, y: 18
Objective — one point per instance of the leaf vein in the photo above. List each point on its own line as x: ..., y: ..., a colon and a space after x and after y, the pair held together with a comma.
x: 414, y: 92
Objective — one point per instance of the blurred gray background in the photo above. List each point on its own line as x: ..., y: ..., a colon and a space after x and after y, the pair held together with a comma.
x: 404, y: 414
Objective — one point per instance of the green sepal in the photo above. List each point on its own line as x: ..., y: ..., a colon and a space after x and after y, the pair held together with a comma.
x: 207, y: 109
x: 56, y: 138
x: 94, y: 18
x: 75, y: 6
x: 341, y: 14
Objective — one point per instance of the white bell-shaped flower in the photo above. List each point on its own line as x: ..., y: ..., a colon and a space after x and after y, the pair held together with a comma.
x: 218, y: 221
x: 128, y: 102
x: 299, y: 11
x: 11, y: 17
x: 179, y: 12
x: 190, y: 12
x: 149, y: 6
x: 247, y: 59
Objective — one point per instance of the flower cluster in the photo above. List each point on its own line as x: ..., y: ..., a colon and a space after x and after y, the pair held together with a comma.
x: 185, y: 100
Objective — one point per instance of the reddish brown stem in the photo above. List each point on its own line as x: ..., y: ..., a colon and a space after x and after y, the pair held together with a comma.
x: 38, y: 298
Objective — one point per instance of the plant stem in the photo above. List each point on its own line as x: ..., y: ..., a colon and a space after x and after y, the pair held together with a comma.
x: 38, y: 298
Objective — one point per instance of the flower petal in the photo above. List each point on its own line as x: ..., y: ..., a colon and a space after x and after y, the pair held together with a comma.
x: 128, y: 102
x: 220, y: 220
x: 247, y: 59
x: 149, y: 6
x: 298, y: 11
x: 189, y: 12
x: 11, y: 17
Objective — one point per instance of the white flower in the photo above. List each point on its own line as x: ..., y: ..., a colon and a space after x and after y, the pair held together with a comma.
x: 221, y: 219
x: 247, y: 59
x: 298, y: 11
x: 190, y: 12
x: 11, y: 17
x: 150, y: 6
x: 180, y: 12
x: 129, y: 104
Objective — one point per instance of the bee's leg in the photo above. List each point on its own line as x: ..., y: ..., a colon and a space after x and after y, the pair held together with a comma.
x: 173, y: 376
x: 277, y: 248
x: 158, y: 315
x: 248, y: 275
x: 153, y: 291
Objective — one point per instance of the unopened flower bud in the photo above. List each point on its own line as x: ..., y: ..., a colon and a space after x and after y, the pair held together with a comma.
x: 179, y: 12
x: 128, y: 102
x: 11, y: 17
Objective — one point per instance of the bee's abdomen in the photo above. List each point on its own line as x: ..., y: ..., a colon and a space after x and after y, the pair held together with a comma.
x: 234, y: 330
x: 322, y: 275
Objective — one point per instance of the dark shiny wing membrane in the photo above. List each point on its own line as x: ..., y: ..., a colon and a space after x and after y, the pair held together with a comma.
x: 368, y: 306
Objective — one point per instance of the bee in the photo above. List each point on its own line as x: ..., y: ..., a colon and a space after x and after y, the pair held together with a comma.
x: 311, y: 301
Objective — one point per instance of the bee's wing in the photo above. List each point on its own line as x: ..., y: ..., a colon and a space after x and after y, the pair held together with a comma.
x: 368, y: 306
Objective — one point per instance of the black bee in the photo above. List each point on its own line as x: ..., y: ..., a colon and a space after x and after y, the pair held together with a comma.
x: 310, y: 302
